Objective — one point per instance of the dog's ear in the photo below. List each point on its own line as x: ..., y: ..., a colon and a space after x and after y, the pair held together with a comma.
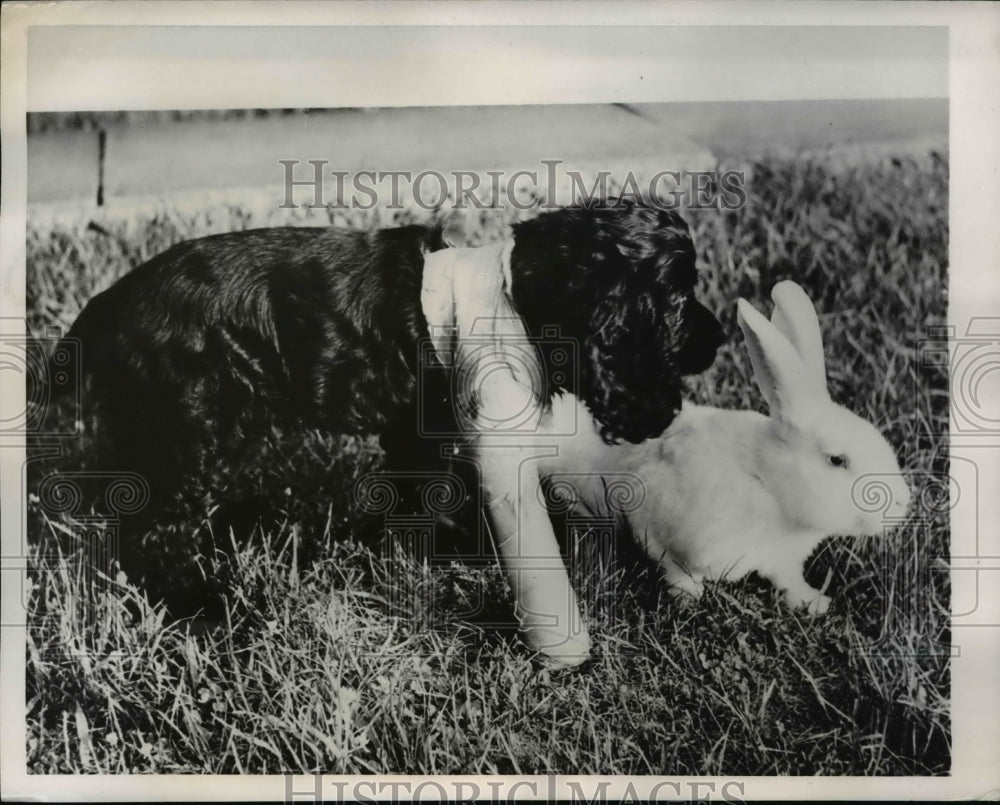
x: 703, y: 337
x: 647, y: 328
x: 618, y: 279
x: 632, y: 382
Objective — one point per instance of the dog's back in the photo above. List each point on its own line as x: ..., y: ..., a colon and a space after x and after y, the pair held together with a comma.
x: 296, y: 324
x: 267, y: 306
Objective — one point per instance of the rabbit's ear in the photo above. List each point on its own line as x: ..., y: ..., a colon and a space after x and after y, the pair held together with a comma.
x: 777, y: 366
x: 795, y: 316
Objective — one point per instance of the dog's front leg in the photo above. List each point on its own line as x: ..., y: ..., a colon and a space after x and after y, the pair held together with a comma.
x: 544, y: 600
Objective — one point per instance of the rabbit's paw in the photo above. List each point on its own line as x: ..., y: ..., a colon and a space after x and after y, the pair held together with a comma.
x: 683, y: 599
x: 685, y: 589
x: 814, y: 602
x: 818, y: 605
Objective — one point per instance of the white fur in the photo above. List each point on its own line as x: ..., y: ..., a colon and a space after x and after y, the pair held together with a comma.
x: 466, y: 301
x: 726, y: 492
x: 730, y: 492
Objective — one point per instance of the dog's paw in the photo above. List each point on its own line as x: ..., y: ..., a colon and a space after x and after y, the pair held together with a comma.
x: 557, y: 649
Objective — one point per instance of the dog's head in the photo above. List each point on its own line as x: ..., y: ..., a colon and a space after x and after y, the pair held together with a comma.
x: 619, y: 281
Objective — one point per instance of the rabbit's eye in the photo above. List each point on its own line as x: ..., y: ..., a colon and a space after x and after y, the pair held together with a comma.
x: 837, y: 460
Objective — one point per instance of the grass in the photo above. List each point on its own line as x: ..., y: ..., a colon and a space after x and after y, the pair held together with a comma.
x: 339, y: 654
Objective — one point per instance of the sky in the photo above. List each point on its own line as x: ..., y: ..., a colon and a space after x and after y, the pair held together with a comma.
x: 74, y: 67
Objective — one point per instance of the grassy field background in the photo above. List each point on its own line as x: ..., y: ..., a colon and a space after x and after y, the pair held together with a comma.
x: 343, y: 655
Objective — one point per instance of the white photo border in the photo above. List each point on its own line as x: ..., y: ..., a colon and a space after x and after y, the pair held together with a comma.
x: 42, y: 80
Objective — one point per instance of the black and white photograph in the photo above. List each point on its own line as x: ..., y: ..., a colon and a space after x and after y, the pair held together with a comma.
x: 551, y: 401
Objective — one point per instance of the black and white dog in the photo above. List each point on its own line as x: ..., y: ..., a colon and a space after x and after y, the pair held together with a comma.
x: 189, y: 356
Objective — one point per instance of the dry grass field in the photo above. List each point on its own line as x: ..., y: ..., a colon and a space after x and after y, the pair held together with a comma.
x: 333, y: 652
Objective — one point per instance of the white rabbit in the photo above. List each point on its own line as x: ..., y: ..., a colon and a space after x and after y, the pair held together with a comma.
x: 730, y: 492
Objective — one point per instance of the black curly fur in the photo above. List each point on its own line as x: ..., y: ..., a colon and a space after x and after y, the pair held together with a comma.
x: 190, y: 356
x: 619, y: 280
